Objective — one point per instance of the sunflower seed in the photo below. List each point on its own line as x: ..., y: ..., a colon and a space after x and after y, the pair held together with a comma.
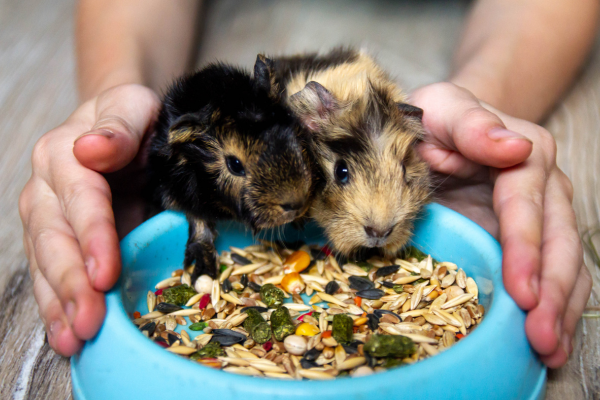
x: 332, y: 287
x: 168, y: 308
x: 359, y: 283
x: 385, y: 271
x: 372, y: 294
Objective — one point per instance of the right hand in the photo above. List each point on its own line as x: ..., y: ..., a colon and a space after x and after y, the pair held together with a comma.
x: 66, y: 208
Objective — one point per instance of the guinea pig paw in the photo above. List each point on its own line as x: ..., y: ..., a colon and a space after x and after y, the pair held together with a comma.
x: 204, y: 257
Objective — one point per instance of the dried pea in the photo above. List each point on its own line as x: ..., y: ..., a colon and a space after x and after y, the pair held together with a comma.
x: 198, y: 326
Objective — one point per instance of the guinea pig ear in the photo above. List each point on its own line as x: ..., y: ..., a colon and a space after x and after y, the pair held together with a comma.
x: 264, y: 78
x: 410, y: 111
x: 313, y: 105
x: 188, y: 127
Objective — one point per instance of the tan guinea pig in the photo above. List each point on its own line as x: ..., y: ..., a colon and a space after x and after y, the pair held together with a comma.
x: 371, y: 182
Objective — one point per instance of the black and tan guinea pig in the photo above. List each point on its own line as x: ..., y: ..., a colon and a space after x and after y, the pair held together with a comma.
x: 225, y: 147
x: 371, y: 183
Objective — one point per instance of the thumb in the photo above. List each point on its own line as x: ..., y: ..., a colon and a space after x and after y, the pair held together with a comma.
x: 123, y: 116
x: 456, y: 122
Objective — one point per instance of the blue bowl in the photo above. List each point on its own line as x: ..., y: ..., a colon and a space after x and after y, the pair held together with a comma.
x: 493, y: 362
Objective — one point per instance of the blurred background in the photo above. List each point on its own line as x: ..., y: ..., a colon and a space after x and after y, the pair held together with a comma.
x: 412, y: 39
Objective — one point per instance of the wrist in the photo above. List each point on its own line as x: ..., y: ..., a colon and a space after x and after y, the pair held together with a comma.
x: 92, y: 86
x: 484, y: 85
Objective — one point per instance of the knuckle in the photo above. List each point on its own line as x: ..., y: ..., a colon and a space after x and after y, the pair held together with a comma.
x: 547, y: 145
x: 74, y: 195
x: 40, y: 153
x: 25, y: 201
x: 567, y: 186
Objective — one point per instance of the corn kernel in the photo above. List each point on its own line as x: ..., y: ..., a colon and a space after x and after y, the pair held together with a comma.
x: 298, y: 261
x: 292, y: 283
x: 306, y: 329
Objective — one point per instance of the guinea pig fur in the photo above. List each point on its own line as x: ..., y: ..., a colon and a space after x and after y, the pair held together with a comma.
x: 371, y: 182
x: 225, y: 147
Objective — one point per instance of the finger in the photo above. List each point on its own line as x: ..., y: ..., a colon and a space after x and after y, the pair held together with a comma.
x: 86, y: 202
x: 519, y: 203
x: 562, y: 257
x: 123, y: 115
x: 455, y: 120
x: 572, y: 316
x: 59, y: 260
x: 60, y: 335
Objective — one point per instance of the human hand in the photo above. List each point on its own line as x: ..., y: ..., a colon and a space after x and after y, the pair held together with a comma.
x: 509, y: 183
x: 66, y: 209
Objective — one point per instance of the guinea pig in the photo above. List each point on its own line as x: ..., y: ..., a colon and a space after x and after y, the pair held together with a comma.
x: 371, y: 183
x: 225, y: 147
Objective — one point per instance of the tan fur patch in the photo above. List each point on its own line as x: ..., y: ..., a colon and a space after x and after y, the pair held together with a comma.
x: 182, y: 135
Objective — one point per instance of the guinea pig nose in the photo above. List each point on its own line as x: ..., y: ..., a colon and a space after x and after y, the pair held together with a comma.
x: 378, y: 233
x: 291, y: 206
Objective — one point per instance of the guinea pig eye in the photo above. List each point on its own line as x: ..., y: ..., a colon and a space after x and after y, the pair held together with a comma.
x: 341, y: 171
x: 234, y: 165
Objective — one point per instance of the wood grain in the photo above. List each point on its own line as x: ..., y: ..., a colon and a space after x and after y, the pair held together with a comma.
x: 414, y: 40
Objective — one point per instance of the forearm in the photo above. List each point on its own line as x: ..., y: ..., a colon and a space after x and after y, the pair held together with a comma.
x: 521, y: 55
x: 133, y: 41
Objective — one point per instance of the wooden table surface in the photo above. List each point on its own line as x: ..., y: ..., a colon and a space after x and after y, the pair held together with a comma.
x: 414, y: 40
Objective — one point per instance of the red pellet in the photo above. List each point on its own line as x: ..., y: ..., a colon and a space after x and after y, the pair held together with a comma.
x: 301, y: 318
x: 268, y: 346
x: 137, y: 315
x: 158, y: 292
x: 326, y: 250
x: 204, y: 301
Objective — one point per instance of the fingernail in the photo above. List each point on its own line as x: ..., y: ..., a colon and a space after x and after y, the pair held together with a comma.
x: 90, y: 266
x: 70, y: 311
x: 567, y: 343
x: 534, y: 284
x: 55, y: 328
x: 499, y: 134
x: 100, y: 132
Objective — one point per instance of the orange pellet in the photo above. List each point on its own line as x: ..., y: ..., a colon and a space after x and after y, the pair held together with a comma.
x: 460, y: 336
x: 137, y: 315
x: 326, y: 334
x: 358, y: 301
x: 298, y: 261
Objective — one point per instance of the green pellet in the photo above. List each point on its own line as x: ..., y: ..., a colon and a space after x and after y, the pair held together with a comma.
x: 271, y: 295
x: 390, y: 346
x: 342, y: 328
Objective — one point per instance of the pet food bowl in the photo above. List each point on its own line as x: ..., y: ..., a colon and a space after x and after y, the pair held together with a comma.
x: 494, y: 362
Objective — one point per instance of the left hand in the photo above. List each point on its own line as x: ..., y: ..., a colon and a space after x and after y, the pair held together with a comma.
x: 501, y: 172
